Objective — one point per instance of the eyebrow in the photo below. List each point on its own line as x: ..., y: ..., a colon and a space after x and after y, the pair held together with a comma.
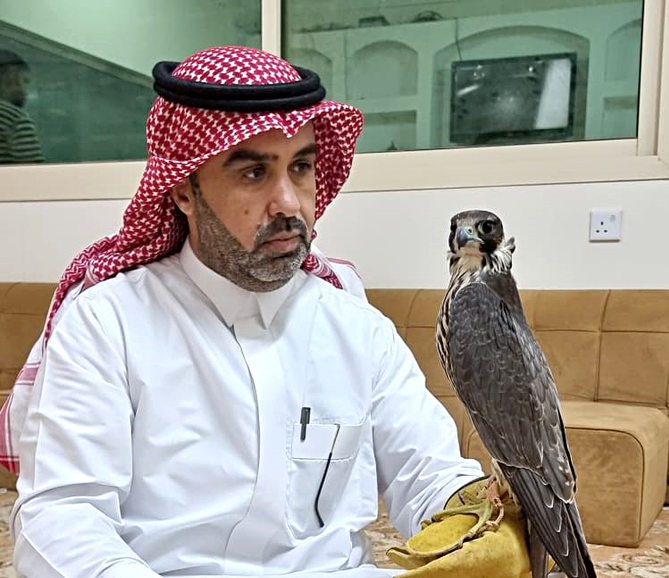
x: 242, y: 155
x: 310, y: 149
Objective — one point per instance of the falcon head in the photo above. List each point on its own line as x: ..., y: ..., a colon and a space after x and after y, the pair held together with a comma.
x: 477, y: 239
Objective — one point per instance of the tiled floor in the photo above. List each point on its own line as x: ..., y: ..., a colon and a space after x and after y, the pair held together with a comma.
x: 649, y: 560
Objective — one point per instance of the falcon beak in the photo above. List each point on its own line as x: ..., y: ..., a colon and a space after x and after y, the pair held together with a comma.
x: 466, y: 235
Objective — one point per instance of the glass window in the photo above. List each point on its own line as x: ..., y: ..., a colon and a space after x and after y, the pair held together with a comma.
x: 75, y: 76
x: 456, y: 73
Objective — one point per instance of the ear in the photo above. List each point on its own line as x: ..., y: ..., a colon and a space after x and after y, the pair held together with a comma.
x: 183, y: 197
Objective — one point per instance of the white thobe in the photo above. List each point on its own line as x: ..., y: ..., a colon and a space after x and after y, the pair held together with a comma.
x: 164, y: 438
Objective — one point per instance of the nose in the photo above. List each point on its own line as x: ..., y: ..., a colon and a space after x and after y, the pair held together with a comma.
x: 285, y: 200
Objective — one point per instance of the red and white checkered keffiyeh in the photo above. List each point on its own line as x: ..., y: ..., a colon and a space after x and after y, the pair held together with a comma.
x: 179, y: 140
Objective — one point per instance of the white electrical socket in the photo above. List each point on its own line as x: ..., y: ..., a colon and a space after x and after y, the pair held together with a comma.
x: 605, y: 224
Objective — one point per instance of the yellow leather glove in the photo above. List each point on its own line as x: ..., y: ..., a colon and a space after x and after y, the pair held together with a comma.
x: 449, y: 546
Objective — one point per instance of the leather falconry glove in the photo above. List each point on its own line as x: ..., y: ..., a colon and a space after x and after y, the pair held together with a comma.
x: 461, y: 541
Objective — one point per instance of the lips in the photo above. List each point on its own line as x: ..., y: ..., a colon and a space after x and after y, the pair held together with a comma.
x: 282, y: 235
x: 283, y: 243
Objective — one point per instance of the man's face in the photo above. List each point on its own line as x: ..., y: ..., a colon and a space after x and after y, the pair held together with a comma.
x: 14, y: 81
x: 251, y: 209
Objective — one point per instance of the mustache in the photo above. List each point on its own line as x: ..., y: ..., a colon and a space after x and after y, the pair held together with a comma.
x: 281, y: 225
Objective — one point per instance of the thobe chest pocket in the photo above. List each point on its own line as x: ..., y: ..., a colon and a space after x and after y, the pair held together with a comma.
x: 309, y: 460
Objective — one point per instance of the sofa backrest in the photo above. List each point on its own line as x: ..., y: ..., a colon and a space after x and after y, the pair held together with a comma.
x: 602, y: 345
x: 23, y: 308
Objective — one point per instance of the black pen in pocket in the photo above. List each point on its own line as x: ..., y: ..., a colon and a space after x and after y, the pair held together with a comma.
x: 304, y: 421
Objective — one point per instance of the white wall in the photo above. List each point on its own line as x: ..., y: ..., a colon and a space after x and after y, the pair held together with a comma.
x: 397, y: 239
x: 40, y: 238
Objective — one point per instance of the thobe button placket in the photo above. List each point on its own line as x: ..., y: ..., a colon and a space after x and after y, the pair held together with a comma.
x: 266, y: 510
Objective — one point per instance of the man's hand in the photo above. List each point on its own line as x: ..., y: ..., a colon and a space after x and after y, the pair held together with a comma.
x: 460, y: 543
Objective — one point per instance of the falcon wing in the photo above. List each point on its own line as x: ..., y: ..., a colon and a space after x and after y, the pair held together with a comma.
x: 501, y: 375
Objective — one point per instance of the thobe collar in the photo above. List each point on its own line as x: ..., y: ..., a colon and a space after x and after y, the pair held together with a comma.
x: 231, y: 301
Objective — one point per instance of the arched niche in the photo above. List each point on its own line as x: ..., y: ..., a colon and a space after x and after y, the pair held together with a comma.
x: 381, y: 70
x: 623, y: 47
x: 316, y: 61
x: 508, y: 41
x: 619, y: 112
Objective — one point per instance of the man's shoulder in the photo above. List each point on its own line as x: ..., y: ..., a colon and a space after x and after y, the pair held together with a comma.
x: 138, y: 282
x: 349, y: 304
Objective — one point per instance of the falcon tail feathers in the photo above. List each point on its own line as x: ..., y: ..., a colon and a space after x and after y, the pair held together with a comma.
x: 580, y: 536
x: 556, y: 523
x: 538, y: 553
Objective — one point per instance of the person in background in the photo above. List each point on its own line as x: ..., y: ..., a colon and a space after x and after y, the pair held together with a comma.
x: 18, y: 137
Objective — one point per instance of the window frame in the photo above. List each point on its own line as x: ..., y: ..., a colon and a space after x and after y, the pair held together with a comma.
x: 643, y: 158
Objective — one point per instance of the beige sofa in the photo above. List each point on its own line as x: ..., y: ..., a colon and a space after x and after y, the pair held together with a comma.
x: 609, y: 351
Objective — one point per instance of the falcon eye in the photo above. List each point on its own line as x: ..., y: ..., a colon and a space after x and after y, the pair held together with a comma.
x: 486, y: 227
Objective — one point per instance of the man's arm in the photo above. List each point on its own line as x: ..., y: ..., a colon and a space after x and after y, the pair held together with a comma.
x: 415, y: 439
x: 76, y: 458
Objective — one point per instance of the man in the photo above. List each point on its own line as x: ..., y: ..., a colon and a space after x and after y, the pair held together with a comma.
x: 209, y: 401
x: 18, y: 138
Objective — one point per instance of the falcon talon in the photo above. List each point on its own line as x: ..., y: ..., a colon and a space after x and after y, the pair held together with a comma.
x: 493, y: 525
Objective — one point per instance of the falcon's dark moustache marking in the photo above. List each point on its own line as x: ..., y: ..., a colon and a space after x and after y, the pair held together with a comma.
x: 489, y: 245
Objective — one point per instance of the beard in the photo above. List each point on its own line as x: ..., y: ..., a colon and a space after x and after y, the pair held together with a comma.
x: 260, y: 269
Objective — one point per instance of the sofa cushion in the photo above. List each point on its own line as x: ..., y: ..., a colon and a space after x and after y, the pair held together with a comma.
x: 23, y: 308
x: 573, y: 357
x: 394, y: 303
x: 570, y: 310
x: 421, y: 342
x: 620, y: 454
x: 638, y: 358
x: 637, y: 310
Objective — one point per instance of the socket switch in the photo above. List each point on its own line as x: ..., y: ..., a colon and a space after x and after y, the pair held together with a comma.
x: 605, y: 224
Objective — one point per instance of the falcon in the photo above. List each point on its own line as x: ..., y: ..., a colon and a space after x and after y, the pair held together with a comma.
x: 500, y: 374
